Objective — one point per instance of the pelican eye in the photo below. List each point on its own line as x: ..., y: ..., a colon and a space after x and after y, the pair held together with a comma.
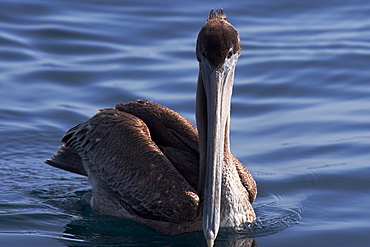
x: 231, y: 52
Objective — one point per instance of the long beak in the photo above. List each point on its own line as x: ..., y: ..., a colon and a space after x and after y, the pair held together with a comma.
x: 217, y: 83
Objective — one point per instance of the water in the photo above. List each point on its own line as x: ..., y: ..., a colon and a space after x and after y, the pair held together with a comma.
x: 300, y: 113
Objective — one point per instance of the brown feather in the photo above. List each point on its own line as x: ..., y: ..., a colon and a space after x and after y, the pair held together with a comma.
x: 130, y: 164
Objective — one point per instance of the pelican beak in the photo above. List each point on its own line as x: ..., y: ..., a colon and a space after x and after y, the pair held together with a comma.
x: 217, y: 83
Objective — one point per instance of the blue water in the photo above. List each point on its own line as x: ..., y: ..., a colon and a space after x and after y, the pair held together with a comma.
x: 300, y: 112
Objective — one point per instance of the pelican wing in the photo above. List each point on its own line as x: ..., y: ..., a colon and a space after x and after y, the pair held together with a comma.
x: 173, y: 134
x: 67, y: 159
x: 247, y: 180
x: 167, y: 127
x: 122, y: 160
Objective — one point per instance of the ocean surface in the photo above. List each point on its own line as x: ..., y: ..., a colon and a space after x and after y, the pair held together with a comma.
x: 300, y: 116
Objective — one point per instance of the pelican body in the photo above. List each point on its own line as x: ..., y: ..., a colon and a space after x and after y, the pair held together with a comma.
x: 149, y: 164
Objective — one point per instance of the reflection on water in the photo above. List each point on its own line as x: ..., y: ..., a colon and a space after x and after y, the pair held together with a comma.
x: 95, y: 228
x: 115, y: 232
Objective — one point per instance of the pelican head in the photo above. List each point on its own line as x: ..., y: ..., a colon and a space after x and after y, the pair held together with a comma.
x: 218, y: 49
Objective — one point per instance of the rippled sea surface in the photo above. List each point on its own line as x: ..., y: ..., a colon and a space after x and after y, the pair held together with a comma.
x: 300, y: 112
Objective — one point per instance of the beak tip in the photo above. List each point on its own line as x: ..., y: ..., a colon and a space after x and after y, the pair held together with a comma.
x: 210, y: 242
x: 210, y: 237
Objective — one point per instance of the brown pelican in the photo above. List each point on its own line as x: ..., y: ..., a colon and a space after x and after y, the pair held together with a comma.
x: 149, y: 164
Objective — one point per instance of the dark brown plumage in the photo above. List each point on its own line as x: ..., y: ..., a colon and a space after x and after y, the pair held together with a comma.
x: 147, y: 163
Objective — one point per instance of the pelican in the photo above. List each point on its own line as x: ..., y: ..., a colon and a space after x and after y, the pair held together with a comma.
x: 149, y: 164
